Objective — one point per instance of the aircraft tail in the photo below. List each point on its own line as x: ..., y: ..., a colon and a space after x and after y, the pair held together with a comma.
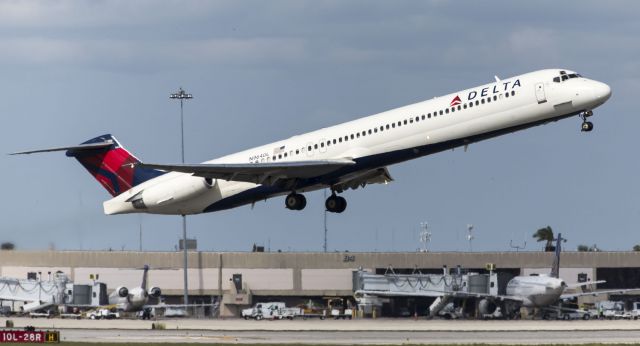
x: 145, y: 273
x: 111, y: 164
x: 555, y: 268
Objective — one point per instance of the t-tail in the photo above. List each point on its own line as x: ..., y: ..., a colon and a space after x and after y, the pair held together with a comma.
x: 144, y: 277
x: 555, y: 268
x: 108, y: 162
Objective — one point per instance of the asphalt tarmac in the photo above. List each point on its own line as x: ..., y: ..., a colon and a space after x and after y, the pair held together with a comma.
x: 358, y: 332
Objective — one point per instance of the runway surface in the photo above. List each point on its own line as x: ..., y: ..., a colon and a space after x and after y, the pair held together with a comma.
x: 360, y: 332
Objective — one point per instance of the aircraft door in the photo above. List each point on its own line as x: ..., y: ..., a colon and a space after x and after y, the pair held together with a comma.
x: 540, y: 96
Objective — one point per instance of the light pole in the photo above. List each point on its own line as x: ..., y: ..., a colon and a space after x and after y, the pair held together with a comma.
x: 182, y: 96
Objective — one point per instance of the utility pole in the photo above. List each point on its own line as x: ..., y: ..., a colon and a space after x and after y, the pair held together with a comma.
x: 324, y: 247
x: 182, y: 96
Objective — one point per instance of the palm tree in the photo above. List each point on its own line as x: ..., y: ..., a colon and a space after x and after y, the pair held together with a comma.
x: 546, y: 234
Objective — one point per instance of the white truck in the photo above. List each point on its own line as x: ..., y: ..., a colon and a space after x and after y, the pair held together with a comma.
x: 268, y: 310
x: 101, y: 314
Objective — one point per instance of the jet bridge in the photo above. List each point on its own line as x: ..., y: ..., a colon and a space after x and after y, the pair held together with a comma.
x: 442, y: 287
x: 33, y: 293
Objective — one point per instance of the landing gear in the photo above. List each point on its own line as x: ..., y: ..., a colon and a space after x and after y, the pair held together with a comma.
x: 295, y: 201
x: 335, y: 204
x: 587, y: 126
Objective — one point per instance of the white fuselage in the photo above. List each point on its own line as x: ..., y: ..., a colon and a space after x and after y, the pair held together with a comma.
x: 134, y: 301
x: 537, y: 291
x: 380, y: 140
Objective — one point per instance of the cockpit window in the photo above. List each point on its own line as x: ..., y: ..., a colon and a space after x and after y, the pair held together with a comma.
x: 564, y: 76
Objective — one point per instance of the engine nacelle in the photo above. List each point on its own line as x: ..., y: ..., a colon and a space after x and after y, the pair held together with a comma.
x: 487, y: 306
x: 155, y: 292
x: 123, y: 292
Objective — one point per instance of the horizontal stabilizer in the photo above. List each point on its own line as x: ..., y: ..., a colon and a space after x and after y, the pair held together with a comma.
x: 81, y: 147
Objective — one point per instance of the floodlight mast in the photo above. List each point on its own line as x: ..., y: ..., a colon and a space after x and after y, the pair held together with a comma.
x: 182, y: 96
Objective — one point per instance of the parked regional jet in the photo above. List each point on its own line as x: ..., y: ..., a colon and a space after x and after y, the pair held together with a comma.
x: 346, y: 156
x: 136, y: 298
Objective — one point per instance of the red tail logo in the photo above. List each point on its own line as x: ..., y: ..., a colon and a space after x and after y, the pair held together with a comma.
x: 456, y: 101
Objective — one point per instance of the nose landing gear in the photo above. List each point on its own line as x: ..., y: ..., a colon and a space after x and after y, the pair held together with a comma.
x: 587, y: 126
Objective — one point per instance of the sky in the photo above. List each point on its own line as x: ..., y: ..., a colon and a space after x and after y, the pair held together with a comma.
x: 262, y: 71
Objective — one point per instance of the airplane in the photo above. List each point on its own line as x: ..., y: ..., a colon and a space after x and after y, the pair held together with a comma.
x: 534, y: 291
x: 134, y: 299
x: 341, y: 157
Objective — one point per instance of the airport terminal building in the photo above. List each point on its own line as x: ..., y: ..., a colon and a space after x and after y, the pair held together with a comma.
x: 239, y: 279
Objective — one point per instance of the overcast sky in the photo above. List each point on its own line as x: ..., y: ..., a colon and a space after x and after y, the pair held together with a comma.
x: 261, y: 71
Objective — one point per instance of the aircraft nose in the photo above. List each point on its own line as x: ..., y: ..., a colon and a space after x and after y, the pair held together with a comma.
x: 601, y: 91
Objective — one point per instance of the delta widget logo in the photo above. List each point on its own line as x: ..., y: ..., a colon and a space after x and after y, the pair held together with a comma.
x: 456, y: 101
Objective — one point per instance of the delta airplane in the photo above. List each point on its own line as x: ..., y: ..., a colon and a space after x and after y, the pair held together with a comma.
x: 346, y: 156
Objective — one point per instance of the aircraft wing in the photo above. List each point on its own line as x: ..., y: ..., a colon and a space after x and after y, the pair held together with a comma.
x: 257, y: 173
x: 597, y: 293
x: 436, y: 293
x: 580, y: 284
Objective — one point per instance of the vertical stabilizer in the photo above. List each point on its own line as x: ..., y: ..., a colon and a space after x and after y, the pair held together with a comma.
x: 555, y: 268
x: 144, y: 277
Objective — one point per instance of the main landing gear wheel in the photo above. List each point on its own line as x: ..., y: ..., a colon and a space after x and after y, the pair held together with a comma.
x: 295, y: 201
x: 335, y: 204
x: 587, y: 126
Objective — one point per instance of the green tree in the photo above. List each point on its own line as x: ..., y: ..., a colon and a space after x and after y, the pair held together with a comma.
x: 545, y: 234
x: 583, y: 248
x: 7, y: 246
x: 636, y: 247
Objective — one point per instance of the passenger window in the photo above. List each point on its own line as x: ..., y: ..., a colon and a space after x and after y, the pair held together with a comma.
x: 285, y: 154
x: 513, y: 93
x: 418, y: 118
x: 381, y: 128
x: 352, y: 136
x: 315, y: 146
x: 423, y: 116
x: 279, y: 156
x: 506, y: 95
x: 309, y: 148
x: 464, y: 106
x: 322, y: 145
x: 411, y: 121
x: 446, y: 110
x: 369, y: 131
x: 441, y: 112
x: 495, y: 98
x: 334, y: 141
x: 387, y: 126
x: 375, y: 130
x: 481, y: 101
x: 429, y: 115
x: 399, y: 123
x: 358, y: 135
x: 459, y: 107
x: 405, y: 121
x: 453, y: 109
x: 478, y: 102
x: 297, y: 151
x: 393, y: 125
x: 273, y: 158
x: 340, y: 140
